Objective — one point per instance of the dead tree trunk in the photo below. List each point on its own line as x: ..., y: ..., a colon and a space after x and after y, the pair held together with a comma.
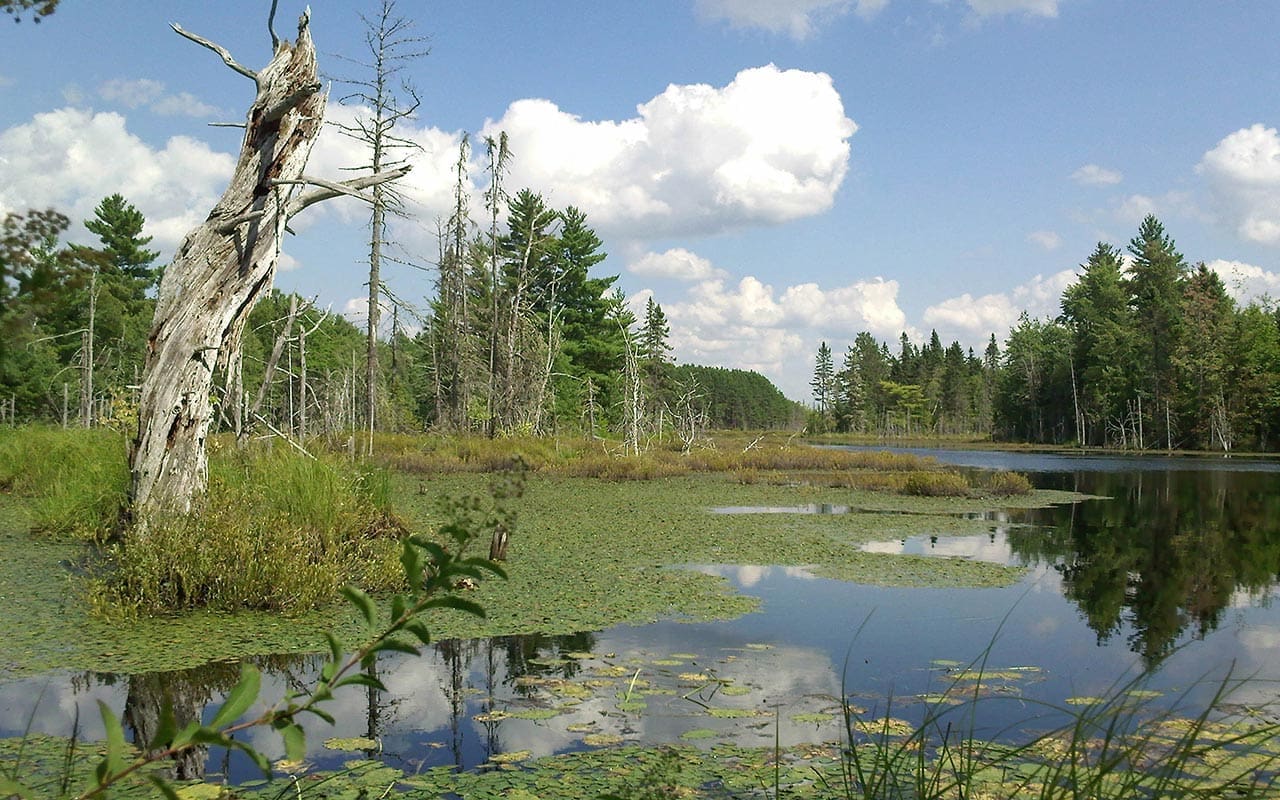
x: 221, y: 269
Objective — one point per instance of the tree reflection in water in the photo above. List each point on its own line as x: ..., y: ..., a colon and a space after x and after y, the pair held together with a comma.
x: 1166, y: 555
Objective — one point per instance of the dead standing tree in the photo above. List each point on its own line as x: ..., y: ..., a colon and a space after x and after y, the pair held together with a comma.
x: 221, y: 269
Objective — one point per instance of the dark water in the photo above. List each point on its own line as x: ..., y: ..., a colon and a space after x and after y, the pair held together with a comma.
x: 1175, y: 572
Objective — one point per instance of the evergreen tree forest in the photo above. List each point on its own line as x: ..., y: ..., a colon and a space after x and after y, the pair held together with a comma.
x: 1148, y: 352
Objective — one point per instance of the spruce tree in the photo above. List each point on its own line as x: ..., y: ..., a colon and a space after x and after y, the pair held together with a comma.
x: 1155, y: 293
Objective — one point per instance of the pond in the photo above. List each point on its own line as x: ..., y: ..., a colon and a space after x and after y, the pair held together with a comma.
x: 1175, y: 572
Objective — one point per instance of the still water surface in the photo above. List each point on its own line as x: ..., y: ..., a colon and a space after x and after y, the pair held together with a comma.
x: 1175, y: 572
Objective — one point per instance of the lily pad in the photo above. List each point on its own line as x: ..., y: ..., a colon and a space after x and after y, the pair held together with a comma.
x: 535, y: 713
x: 514, y: 757
x: 601, y: 739
x: 351, y: 744
x: 697, y: 677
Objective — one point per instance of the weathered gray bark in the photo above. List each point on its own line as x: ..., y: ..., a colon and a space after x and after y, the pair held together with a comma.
x: 221, y: 269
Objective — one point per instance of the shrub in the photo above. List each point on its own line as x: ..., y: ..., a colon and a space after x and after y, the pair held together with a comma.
x: 1007, y: 484
x: 935, y: 484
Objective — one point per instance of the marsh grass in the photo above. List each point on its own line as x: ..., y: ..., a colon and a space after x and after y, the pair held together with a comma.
x: 763, y: 459
x: 1128, y: 744
x: 276, y: 531
x: 76, y: 482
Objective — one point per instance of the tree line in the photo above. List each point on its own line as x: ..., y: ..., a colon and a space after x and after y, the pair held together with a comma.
x: 1148, y: 352
x: 521, y: 336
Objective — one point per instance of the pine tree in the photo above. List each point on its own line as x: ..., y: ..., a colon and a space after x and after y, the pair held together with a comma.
x: 823, y: 383
x: 127, y: 270
x: 1156, y: 274
x: 391, y: 48
x: 850, y: 394
x: 1096, y: 310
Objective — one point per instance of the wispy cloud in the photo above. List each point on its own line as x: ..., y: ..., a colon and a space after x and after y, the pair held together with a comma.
x: 151, y: 95
x: 1094, y: 175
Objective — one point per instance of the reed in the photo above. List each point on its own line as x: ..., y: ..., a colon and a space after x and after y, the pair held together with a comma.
x: 1130, y: 743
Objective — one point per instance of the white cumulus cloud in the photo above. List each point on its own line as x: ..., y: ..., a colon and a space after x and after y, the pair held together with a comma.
x: 151, y: 94
x: 771, y: 146
x: 70, y: 159
x: 753, y: 325
x: 1246, y: 282
x: 1243, y: 172
x: 970, y: 320
x: 1094, y: 175
x: 131, y: 94
x: 677, y: 263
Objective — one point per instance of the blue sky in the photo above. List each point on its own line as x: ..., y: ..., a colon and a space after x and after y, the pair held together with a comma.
x: 773, y: 172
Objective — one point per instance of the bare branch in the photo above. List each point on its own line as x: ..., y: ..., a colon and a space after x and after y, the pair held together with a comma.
x: 217, y: 48
x: 330, y: 189
x: 271, y: 26
x: 227, y: 125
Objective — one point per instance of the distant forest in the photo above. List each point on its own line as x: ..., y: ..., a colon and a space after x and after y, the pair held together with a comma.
x: 521, y: 337
x: 1148, y: 352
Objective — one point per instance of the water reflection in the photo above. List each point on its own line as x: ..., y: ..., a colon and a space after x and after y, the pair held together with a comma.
x: 1179, y: 541
x: 1175, y: 556
x: 1167, y: 555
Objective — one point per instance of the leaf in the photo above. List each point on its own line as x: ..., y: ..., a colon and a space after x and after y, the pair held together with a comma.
x: 295, y: 742
x: 437, y: 553
x: 361, y: 679
x: 335, y: 647
x: 396, y: 646
x: 419, y: 628
x: 457, y: 603
x: 114, y: 762
x: 207, y: 735
x: 166, y: 728
x: 361, y: 601
x: 188, y: 733
x: 398, y: 606
x: 411, y: 560
x: 486, y: 564
x: 324, y: 715
x: 240, y: 698
x: 164, y: 787
x: 259, y: 760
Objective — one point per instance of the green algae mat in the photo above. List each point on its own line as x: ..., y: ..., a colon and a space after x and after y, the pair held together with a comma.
x: 586, y: 554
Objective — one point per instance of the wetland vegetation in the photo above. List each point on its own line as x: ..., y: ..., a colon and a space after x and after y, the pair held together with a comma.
x: 603, y: 541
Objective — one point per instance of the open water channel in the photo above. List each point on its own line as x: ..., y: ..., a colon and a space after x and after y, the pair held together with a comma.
x: 1174, y: 573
